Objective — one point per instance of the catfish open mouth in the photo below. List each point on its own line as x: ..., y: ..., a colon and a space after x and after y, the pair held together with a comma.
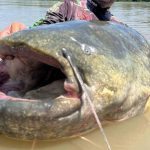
x: 33, y: 77
x: 20, y: 76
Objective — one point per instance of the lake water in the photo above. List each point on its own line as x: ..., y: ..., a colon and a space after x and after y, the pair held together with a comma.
x: 135, y: 15
x: 133, y: 134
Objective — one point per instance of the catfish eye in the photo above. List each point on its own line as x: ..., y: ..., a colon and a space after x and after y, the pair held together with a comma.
x: 87, y: 50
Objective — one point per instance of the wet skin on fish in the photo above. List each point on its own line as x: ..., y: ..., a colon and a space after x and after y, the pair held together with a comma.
x: 40, y: 95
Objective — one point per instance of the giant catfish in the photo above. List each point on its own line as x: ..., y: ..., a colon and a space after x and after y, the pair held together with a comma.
x: 40, y: 95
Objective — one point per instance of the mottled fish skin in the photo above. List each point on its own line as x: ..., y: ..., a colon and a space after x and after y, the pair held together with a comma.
x: 113, y: 60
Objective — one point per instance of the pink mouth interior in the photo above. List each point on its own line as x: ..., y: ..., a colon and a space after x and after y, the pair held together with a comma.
x: 7, y: 85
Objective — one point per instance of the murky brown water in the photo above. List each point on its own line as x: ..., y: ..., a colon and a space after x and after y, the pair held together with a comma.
x: 133, y: 134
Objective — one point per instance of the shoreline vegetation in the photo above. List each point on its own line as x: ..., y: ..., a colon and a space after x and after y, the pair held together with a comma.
x: 133, y: 0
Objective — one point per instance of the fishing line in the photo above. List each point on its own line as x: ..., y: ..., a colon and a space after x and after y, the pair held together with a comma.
x: 83, y: 87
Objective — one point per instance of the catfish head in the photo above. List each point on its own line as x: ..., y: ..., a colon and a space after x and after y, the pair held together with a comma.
x: 40, y: 95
